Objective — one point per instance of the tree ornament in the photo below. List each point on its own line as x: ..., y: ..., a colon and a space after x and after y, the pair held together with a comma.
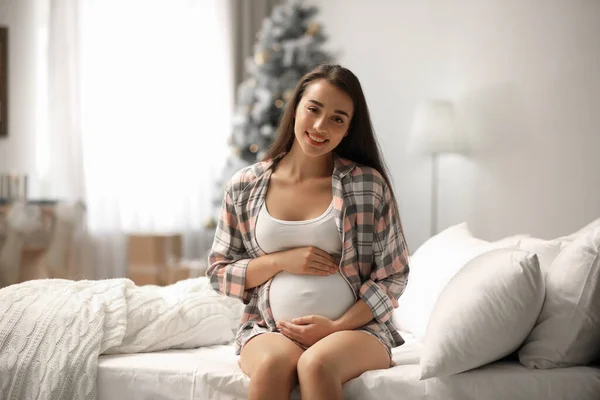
x: 262, y: 57
x: 279, y: 103
x: 267, y: 130
x: 287, y: 94
x: 313, y: 29
x: 253, y: 148
x: 235, y: 151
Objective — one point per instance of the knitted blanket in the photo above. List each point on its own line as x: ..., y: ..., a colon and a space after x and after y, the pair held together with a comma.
x: 52, y: 331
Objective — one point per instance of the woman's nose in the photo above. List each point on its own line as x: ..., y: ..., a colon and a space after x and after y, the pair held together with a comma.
x: 320, y: 124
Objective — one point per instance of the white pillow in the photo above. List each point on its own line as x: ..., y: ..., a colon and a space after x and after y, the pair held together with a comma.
x: 586, y: 229
x: 546, y: 250
x: 484, y: 313
x: 511, y: 241
x: 568, y: 328
x: 433, y: 264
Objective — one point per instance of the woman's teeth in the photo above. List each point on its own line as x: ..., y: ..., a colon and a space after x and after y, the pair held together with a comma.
x: 316, y: 139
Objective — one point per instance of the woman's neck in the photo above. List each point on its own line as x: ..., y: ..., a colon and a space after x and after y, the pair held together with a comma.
x: 296, y: 165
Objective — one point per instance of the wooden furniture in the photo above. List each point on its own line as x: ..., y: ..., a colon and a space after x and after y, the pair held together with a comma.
x: 36, y: 243
x: 156, y: 259
x: 40, y: 238
x: 153, y: 258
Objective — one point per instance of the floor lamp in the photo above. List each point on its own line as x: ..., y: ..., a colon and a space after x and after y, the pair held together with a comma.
x: 433, y: 133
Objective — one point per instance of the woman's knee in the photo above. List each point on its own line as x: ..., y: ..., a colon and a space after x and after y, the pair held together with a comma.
x: 315, y: 364
x: 269, y: 356
x: 276, y: 365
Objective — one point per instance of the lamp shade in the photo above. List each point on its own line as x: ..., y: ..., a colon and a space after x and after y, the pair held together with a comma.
x: 434, y: 129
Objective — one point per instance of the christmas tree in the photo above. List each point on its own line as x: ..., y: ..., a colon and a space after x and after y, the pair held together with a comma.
x: 289, y: 45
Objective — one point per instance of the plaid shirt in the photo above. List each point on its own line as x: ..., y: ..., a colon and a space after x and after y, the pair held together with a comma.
x: 374, y: 258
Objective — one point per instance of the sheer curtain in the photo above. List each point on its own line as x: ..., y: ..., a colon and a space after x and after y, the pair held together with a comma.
x: 149, y: 96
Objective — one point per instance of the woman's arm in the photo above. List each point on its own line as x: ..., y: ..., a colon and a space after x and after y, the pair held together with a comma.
x: 300, y: 260
x: 228, y: 259
x: 389, y: 272
x: 261, y: 269
x: 358, y: 315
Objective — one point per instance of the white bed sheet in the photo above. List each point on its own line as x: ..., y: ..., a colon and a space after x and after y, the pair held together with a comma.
x: 212, y: 373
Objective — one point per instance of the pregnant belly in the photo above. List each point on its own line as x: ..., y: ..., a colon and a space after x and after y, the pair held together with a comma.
x: 292, y: 296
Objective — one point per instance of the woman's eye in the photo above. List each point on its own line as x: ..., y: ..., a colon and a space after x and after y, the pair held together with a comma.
x: 312, y: 109
x: 338, y: 120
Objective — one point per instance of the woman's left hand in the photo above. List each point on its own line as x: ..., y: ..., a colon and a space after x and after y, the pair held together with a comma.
x: 307, y: 330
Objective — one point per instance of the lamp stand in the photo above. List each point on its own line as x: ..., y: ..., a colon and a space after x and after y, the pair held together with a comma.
x: 434, y: 193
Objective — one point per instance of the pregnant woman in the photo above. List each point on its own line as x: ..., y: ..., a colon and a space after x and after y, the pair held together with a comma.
x: 310, y: 240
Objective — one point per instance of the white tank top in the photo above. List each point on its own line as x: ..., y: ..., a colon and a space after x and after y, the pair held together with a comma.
x: 293, y: 295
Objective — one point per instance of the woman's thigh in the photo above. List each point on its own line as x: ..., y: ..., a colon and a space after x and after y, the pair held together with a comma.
x: 348, y: 354
x: 269, y: 350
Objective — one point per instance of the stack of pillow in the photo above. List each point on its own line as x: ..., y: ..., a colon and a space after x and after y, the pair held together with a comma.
x: 472, y: 302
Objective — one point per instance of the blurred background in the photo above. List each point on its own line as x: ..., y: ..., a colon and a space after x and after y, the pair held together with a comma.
x: 134, y: 113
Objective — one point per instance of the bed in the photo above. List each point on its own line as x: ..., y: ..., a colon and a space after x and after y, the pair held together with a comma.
x: 212, y: 373
x: 527, y: 297
x: 471, y: 302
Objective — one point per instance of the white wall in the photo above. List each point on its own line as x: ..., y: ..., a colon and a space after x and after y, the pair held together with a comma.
x: 525, y: 76
x: 17, y: 151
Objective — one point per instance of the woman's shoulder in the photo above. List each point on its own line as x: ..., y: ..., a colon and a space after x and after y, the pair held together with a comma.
x: 363, y: 174
x: 246, y: 176
x: 369, y: 184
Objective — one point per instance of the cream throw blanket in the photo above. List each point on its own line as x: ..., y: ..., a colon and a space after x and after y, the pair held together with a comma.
x: 52, y: 331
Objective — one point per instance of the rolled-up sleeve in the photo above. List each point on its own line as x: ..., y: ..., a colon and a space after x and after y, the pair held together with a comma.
x: 228, y: 259
x: 389, y: 273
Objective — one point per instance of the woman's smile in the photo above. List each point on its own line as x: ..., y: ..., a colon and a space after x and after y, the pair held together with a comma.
x: 316, y: 139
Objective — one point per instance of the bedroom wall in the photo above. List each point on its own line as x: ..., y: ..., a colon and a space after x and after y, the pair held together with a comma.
x: 17, y: 151
x: 525, y: 77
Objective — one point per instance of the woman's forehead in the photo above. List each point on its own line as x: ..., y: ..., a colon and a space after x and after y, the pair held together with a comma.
x: 329, y: 96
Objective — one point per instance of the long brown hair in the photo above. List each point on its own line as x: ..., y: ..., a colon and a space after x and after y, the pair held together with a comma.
x: 360, y: 145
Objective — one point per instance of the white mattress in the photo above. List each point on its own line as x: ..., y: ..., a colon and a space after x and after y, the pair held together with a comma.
x: 213, y: 373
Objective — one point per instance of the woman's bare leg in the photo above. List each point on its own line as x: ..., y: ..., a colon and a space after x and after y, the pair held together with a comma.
x: 270, y: 360
x: 337, y: 358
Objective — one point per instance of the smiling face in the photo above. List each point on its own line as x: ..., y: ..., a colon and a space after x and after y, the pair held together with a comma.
x: 322, y: 118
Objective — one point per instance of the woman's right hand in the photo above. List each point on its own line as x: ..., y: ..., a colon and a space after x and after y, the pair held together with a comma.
x: 307, y: 261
